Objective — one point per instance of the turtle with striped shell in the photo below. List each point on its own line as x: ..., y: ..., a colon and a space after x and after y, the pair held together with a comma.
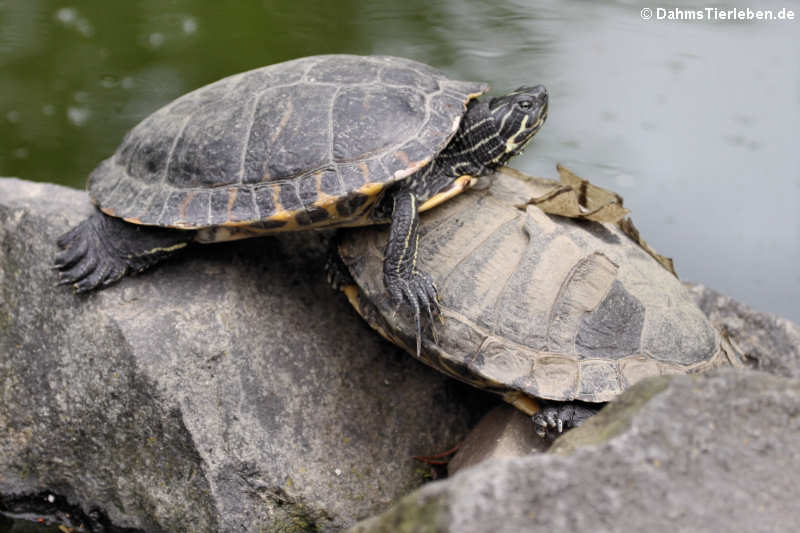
x: 555, y: 315
x: 317, y: 142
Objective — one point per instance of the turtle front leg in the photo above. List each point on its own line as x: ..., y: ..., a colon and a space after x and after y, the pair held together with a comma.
x: 102, y: 249
x: 400, y: 274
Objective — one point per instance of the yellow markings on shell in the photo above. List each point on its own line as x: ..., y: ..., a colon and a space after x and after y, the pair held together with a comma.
x: 364, y: 171
x: 282, y: 216
x: 371, y: 189
x: 289, y: 218
x: 524, y: 403
x: 231, y: 200
x: 403, y: 157
x: 325, y: 200
x: 351, y: 292
x: 185, y: 204
x: 283, y: 121
x: 456, y: 122
x: 458, y: 186
x: 280, y: 213
x: 359, y: 217
x: 329, y: 205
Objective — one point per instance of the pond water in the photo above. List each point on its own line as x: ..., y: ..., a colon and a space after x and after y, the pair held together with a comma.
x: 695, y: 122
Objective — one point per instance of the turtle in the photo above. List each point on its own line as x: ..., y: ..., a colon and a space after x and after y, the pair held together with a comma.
x: 316, y: 142
x: 555, y: 315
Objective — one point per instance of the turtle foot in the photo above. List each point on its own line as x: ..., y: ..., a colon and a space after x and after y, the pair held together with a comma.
x: 336, y: 271
x: 418, y: 291
x: 102, y: 249
x: 553, y: 420
x: 83, y: 261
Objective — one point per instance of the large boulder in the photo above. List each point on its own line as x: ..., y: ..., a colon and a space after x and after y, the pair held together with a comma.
x: 229, y: 389
x: 770, y: 342
x: 701, y: 453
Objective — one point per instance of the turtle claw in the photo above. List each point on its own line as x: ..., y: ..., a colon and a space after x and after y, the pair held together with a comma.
x: 73, y: 249
x: 553, y: 420
x: 102, y: 276
x: 336, y: 272
x: 89, y: 274
x: 102, y: 249
x: 545, y: 420
x: 418, y: 292
x: 84, y: 261
x: 427, y: 295
x: 432, y: 305
x: 77, y: 272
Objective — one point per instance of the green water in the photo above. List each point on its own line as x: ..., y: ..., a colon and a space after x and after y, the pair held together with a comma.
x: 694, y: 122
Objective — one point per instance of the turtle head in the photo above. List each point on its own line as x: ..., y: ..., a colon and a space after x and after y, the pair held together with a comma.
x: 518, y: 116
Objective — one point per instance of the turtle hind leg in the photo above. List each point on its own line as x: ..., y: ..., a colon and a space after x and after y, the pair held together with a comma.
x: 557, y: 417
x: 335, y: 270
x: 102, y: 249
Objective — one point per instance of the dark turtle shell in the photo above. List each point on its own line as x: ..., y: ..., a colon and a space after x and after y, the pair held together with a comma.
x: 537, y: 306
x: 306, y: 142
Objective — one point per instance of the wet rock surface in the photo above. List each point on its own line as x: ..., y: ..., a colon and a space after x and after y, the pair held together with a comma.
x: 229, y: 389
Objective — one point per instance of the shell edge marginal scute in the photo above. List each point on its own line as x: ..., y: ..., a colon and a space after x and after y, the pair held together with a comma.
x: 232, y: 82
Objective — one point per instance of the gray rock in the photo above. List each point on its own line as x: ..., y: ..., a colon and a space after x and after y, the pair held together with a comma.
x: 227, y: 390
x: 770, y: 342
x: 505, y: 431
x: 701, y: 453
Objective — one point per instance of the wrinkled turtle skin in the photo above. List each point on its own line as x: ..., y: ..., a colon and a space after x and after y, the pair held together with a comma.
x: 535, y: 306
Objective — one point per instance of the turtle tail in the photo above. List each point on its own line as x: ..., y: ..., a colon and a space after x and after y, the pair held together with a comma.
x: 102, y: 249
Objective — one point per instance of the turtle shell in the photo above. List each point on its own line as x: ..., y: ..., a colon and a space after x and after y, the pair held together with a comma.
x: 307, y: 142
x: 546, y: 307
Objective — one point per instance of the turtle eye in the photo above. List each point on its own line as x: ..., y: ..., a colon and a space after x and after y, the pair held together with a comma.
x: 524, y: 104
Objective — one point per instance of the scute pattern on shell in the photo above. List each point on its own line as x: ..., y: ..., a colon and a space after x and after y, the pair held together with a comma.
x: 549, y: 307
x: 282, y: 141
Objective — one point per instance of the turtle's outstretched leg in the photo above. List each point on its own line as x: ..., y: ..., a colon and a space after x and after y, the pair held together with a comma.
x: 552, y: 420
x: 400, y: 274
x: 102, y: 249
